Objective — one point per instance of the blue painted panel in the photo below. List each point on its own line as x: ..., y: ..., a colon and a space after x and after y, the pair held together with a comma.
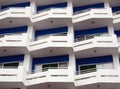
x: 114, y: 9
x: 16, y: 5
x: 93, y: 60
x: 51, y: 59
x: 12, y: 58
x: 117, y: 33
x: 13, y: 30
x: 51, y: 31
x: 60, y: 5
x: 91, y: 31
x: 100, y: 5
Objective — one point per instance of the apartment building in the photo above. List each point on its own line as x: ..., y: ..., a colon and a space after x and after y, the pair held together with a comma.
x: 59, y: 44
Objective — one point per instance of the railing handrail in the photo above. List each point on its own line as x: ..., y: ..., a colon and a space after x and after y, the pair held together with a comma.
x: 11, y: 8
x: 86, y: 10
x: 101, y: 35
x: 47, y: 9
x: 48, y: 35
x: 116, y: 13
x: 91, y: 70
x: 45, y: 69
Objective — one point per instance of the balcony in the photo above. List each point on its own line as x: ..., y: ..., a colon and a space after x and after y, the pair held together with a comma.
x: 9, y: 43
x: 116, y: 19
x: 50, y: 44
x: 52, y: 77
x: 17, y: 16
x: 11, y: 78
x: 118, y: 38
x: 92, y: 18
x: 96, y: 46
x: 101, y: 78
x: 51, y: 17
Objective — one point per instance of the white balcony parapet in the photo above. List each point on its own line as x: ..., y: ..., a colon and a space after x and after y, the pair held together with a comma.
x: 98, y: 76
x: 116, y: 17
x: 13, y: 40
x: 51, y: 13
x: 97, y: 41
x: 12, y: 75
x: 50, y: 41
x: 92, y: 13
x: 51, y: 75
x: 15, y: 12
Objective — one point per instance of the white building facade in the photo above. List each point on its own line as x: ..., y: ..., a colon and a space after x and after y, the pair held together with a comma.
x: 59, y: 44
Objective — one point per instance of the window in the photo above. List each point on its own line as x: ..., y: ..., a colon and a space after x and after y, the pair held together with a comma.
x: 80, y: 38
x: 89, y: 36
x: 45, y: 67
x: 63, y: 65
x: 87, y: 69
x: 10, y: 65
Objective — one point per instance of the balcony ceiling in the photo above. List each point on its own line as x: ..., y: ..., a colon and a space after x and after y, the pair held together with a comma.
x: 50, y: 51
x: 52, y: 86
x: 94, y: 52
x: 6, y: 51
x: 75, y: 2
x: 85, y: 2
x: 100, y: 86
x: 46, y: 2
x: 7, y: 2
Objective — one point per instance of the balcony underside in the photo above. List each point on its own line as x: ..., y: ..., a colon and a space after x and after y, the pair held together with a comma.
x: 53, y: 85
x: 12, y: 85
x: 116, y: 22
x: 14, y: 22
x: 102, y: 79
x: 92, y: 22
x: 6, y: 51
x: 12, y: 2
x: 51, y: 23
x: 96, y: 51
x: 51, y: 51
x: 100, y: 86
x: 97, y: 46
x: 85, y: 2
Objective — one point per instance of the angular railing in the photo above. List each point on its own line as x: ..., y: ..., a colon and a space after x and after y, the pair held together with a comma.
x: 51, y: 13
x: 15, y: 12
x: 98, y: 76
x: 51, y: 75
x: 14, y: 39
x: 46, y: 69
x: 49, y: 41
x: 12, y: 74
x: 97, y: 41
x: 92, y: 13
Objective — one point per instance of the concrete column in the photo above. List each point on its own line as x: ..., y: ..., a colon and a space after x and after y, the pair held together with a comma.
x: 33, y: 7
x: 71, y: 34
x: 110, y: 30
x: 31, y: 33
x: 116, y: 62
x: 72, y: 61
x: 28, y: 62
x: 70, y: 7
x: 106, y: 3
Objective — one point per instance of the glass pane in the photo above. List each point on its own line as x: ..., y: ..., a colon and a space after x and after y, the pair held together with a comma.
x: 1, y: 65
x: 89, y: 37
x: 87, y: 69
x: 49, y: 66
x: 80, y: 38
x: 63, y: 65
x: 11, y: 65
